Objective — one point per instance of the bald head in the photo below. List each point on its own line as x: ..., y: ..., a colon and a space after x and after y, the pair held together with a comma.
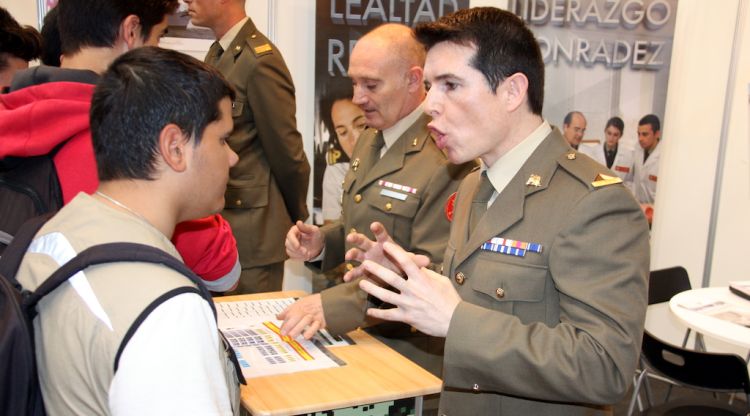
x: 397, y: 42
x: 386, y: 71
x: 574, y: 127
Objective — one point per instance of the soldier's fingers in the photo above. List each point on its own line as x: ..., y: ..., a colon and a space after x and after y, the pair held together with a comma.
x: 360, y: 241
x: 381, y: 293
x: 421, y: 260
x: 311, y: 329
x: 403, y: 259
x: 300, y: 326
x: 290, y: 321
x: 381, y: 235
x: 355, y: 254
x: 393, y: 314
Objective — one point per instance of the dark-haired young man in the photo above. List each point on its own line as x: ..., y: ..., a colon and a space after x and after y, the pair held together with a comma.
x: 18, y: 46
x: 647, y: 159
x: 135, y: 338
x: 49, y: 109
x: 544, y: 294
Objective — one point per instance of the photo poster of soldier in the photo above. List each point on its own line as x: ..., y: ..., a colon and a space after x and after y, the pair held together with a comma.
x: 339, y: 23
x: 604, y: 58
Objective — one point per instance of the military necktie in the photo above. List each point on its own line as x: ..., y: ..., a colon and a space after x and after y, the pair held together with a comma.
x: 214, y: 53
x: 481, y: 198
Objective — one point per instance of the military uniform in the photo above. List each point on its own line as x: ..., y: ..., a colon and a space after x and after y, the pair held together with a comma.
x: 555, y: 330
x: 407, y: 190
x: 267, y: 189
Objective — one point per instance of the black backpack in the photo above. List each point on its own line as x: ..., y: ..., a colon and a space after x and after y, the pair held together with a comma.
x: 20, y: 393
x: 29, y: 187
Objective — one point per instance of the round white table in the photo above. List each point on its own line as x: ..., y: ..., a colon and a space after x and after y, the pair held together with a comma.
x: 682, y: 303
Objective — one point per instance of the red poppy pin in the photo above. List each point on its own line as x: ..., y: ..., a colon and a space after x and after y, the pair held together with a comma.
x: 449, y: 205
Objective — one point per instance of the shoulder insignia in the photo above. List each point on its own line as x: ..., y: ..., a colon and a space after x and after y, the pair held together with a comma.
x: 262, y: 49
x: 604, y: 180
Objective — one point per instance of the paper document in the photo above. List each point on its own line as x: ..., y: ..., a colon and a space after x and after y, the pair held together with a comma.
x: 721, y: 310
x: 253, y: 330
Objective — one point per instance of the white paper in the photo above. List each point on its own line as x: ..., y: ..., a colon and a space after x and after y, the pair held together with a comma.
x: 252, y: 329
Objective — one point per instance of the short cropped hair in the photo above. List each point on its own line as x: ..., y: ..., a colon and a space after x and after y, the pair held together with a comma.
x: 51, y: 39
x: 23, y: 42
x: 651, y: 119
x: 504, y: 45
x: 95, y: 23
x: 617, y: 123
x: 143, y: 91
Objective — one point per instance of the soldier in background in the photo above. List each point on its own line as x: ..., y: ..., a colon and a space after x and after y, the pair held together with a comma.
x: 267, y: 190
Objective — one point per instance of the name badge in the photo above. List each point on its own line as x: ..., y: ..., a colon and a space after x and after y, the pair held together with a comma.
x: 393, y: 194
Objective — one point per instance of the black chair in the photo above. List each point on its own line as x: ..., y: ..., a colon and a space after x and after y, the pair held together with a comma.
x: 665, y: 283
x: 662, y: 285
x: 719, y: 373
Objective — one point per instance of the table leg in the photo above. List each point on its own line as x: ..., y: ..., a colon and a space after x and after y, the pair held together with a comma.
x: 418, y: 404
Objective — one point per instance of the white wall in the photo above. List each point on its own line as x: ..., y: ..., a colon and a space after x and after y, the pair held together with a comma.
x: 696, y: 104
x: 24, y: 11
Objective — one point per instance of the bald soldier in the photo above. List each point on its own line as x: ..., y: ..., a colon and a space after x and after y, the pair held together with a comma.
x: 574, y: 127
x: 398, y: 177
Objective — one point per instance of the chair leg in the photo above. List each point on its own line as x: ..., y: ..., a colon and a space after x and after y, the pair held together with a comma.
x: 636, y: 391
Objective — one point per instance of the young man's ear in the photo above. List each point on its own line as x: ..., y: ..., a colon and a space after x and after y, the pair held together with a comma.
x: 173, y: 147
x: 130, y: 31
x: 516, y: 89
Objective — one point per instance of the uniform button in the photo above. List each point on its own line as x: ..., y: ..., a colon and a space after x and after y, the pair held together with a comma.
x: 349, y: 266
x: 500, y: 292
x: 460, y: 278
x: 352, y: 231
x: 475, y: 387
x: 413, y: 330
x: 238, y: 202
x: 358, y: 198
x: 388, y: 206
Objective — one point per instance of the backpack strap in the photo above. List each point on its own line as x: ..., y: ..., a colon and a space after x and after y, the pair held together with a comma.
x: 13, y: 254
x: 126, y: 252
x: 112, y: 253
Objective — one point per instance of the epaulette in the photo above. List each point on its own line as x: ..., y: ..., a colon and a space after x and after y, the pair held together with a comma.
x: 590, y: 173
x: 259, y: 45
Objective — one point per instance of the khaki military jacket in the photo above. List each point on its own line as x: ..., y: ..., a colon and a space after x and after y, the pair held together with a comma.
x: 416, y: 218
x: 553, y: 332
x: 267, y: 189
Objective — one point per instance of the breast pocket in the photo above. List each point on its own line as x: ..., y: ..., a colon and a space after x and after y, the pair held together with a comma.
x: 246, y: 195
x: 397, y: 216
x: 511, y: 288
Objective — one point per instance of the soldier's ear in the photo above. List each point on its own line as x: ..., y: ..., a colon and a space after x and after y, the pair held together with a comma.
x: 415, y: 78
x: 174, y: 147
x: 514, y: 90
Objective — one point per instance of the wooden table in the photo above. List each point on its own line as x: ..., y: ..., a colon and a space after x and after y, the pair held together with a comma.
x: 373, y: 373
